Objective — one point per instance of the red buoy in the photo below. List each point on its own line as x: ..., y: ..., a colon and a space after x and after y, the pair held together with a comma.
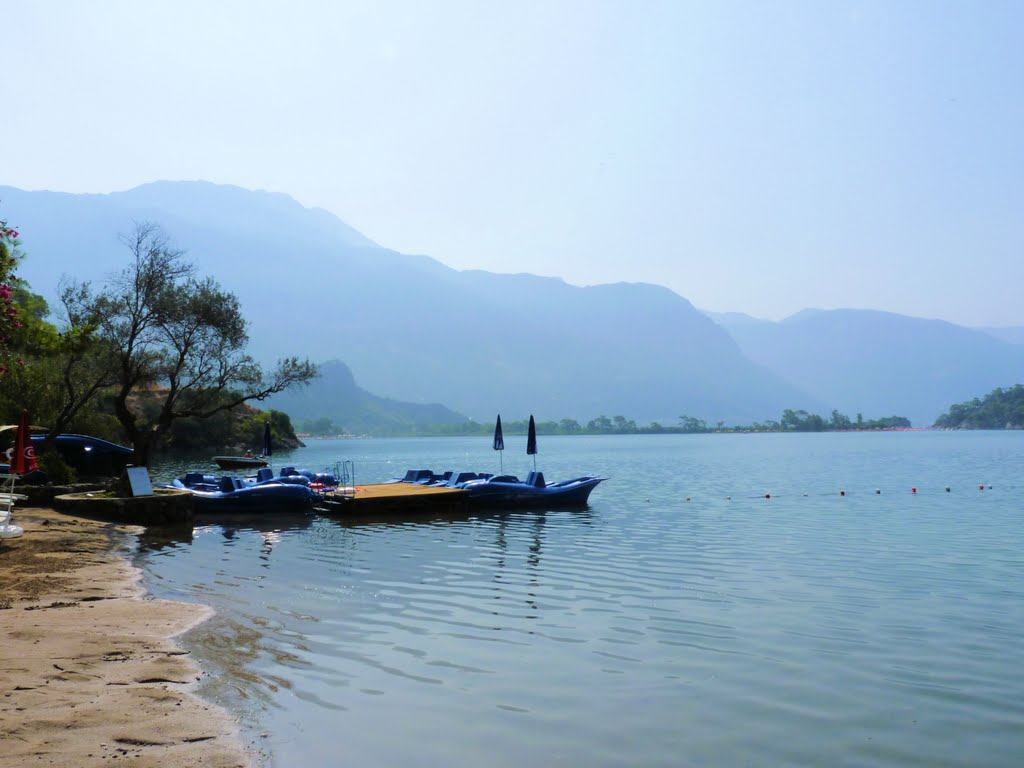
x: 913, y: 490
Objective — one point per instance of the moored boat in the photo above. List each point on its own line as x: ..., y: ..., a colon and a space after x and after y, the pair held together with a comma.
x: 509, y: 490
x: 88, y: 455
x: 234, y: 494
x: 240, y: 462
x: 249, y: 460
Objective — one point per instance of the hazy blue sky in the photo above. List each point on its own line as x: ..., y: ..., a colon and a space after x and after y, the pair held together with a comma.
x: 753, y: 156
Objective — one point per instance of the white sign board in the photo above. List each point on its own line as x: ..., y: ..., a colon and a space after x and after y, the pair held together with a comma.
x: 140, y: 482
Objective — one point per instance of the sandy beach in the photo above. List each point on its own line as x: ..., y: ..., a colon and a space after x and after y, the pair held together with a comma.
x: 90, y: 673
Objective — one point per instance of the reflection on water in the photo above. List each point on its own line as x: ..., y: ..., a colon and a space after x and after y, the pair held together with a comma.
x: 646, y: 630
x: 270, y: 525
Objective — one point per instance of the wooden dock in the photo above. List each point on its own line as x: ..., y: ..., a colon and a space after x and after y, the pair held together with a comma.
x: 375, y: 498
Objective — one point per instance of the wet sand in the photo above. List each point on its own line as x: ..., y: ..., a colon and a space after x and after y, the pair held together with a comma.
x: 89, y: 671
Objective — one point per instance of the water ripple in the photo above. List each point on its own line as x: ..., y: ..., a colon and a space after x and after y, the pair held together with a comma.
x: 647, y: 630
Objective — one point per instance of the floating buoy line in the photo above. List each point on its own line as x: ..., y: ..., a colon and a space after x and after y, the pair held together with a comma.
x: 913, y: 491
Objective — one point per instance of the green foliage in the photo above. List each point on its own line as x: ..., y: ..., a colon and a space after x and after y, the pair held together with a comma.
x: 801, y: 421
x: 240, y: 429
x: 58, y: 471
x: 689, y: 425
x: 175, y: 343
x: 321, y: 427
x: 9, y: 319
x: 157, y: 352
x: 195, y: 435
x: 1000, y: 409
x: 252, y: 426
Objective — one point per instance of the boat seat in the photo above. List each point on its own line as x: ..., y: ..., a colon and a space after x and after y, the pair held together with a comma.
x: 193, y: 478
x: 262, y: 475
x: 226, y: 484
x: 461, y: 477
x: 538, y: 480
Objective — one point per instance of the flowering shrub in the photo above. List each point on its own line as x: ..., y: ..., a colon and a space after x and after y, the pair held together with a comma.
x: 8, y: 312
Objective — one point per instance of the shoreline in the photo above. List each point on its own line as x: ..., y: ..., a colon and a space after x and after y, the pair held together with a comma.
x: 91, y: 669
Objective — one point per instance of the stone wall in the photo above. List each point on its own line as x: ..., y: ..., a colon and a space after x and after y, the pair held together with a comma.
x: 166, y: 506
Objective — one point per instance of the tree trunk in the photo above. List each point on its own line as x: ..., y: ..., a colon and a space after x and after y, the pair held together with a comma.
x: 143, y: 447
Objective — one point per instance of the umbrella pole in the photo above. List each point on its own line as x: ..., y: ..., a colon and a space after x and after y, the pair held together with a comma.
x: 10, y: 502
x: 501, y: 461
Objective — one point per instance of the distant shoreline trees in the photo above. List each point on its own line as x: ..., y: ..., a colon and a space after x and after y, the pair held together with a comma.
x: 1000, y: 409
x: 791, y: 421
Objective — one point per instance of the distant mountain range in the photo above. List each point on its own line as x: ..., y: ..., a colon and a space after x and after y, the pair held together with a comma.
x: 415, y: 332
x: 336, y: 395
x: 878, y: 363
x: 1013, y: 334
x: 410, y: 328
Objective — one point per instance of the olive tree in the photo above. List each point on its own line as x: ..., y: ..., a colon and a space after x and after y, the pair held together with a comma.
x: 176, y: 342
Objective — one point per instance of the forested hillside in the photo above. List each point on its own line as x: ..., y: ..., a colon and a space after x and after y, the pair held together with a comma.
x: 1000, y: 409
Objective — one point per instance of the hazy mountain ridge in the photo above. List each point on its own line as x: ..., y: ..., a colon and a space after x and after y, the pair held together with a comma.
x: 881, y: 363
x: 336, y: 395
x: 412, y: 329
x: 1012, y: 334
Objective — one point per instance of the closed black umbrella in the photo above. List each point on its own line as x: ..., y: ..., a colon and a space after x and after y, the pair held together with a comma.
x: 267, y: 447
x: 531, y: 442
x: 499, y: 443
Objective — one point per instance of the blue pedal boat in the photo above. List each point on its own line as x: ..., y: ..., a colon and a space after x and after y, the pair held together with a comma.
x: 237, y: 495
x: 510, y: 491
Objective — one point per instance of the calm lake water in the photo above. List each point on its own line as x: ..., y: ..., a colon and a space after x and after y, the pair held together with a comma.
x: 683, y: 619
